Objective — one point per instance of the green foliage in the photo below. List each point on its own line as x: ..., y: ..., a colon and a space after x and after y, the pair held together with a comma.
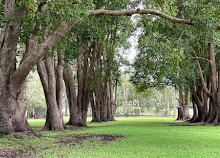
x: 168, y: 51
x: 2, y: 20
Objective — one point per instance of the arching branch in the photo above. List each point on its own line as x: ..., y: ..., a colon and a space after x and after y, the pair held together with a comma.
x: 200, y: 58
x: 23, y: 70
x: 144, y: 11
x: 139, y: 11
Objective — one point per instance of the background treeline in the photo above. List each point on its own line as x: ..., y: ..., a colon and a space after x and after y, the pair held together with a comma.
x: 129, y: 102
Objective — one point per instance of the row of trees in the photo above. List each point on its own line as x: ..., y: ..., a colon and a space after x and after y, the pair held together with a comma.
x: 183, y: 56
x: 44, y: 35
x: 130, y: 102
x: 40, y: 26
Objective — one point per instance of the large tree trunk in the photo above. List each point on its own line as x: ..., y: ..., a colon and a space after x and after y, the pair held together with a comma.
x: 104, y: 102
x: 75, y: 114
x: 110, y: 113
x: 83, y: 92
x: 96, y: 70
x: 12, y: 118
x: 180, y: 108
x: 195, y: 111
x: 199, y: 115
x: 183, y: 109
x: 12, y: 95
x: 51, y: 76
x: 186, y: 106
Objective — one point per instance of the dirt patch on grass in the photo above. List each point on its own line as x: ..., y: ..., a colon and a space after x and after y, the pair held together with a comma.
x: 17, y: 153
x: 73, y: 139
x: 26, y: 135
x: 11, y: 153
x: 78, y: 139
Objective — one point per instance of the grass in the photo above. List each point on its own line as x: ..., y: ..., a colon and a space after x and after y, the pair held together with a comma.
x: 143, y: 138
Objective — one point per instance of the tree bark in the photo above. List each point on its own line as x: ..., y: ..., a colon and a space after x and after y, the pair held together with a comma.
x: 75, y: 114
x: 110, y: 114
x: 186, y: 106
x: 12, y: 97
x: 180, y: 108
x: 51, y: 75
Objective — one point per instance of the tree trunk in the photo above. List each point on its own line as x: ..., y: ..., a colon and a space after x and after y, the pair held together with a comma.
x: 180, y: 108
x: 199, y: 113
x: 111, y: 104
x: 116, y: 104
x: 186, y: 106
x: 168, y: 107
x: 104, y: 102
x: 195, y: 111
x: 75, y: 114
x: 12, y: 118
x: 12, y: 95
x: 53, y: 90
x: 174, y: 106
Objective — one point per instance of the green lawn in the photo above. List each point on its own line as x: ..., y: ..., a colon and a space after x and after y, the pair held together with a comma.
x: 143, y: 137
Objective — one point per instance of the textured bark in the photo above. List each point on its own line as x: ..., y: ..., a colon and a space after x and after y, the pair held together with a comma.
x: 52, y: 81
x: 80, y: 80
x: 116, y: 104
x: 97, y: 53
x: 200, y: 113
x: 103, y: 92
x: 174, y: 106
x: 12, y: 97
x: 180, y: 108
x: 104, y: 103
x: 186, y: 105
x: 75, y: 113
x: 86, y: 84
x: 195, y: 111
x: 211, y: 96
x: 110, y: 114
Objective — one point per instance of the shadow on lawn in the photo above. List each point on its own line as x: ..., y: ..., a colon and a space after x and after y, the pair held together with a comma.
x: 180, y: 124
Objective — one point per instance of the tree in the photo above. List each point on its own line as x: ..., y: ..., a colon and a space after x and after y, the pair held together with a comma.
x: 13, y: 78
x: 51, y: 75
x: 22, y: 15
x: 190, y: 43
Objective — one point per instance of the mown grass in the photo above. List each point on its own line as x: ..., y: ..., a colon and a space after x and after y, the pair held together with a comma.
x: 143, y: 138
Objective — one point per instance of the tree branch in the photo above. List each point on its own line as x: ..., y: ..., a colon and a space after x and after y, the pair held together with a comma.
x: 144, y: 11
x: 23, y: 70
x: 203, y: 81
x: 173, y: 94
x: 200, y: 58
x: 139, y: 11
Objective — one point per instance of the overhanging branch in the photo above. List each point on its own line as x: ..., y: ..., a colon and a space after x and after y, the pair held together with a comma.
x: 139, y: 11
x: 23, y: 70
x: 144, y: 11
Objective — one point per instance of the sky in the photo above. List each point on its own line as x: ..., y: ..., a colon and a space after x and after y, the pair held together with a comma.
x: 131, y: 53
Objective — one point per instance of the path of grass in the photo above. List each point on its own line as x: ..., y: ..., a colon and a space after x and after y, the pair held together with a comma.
x: 143, y: 137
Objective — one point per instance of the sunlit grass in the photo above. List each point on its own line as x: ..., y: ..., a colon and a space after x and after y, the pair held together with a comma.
x: 143, y: 137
